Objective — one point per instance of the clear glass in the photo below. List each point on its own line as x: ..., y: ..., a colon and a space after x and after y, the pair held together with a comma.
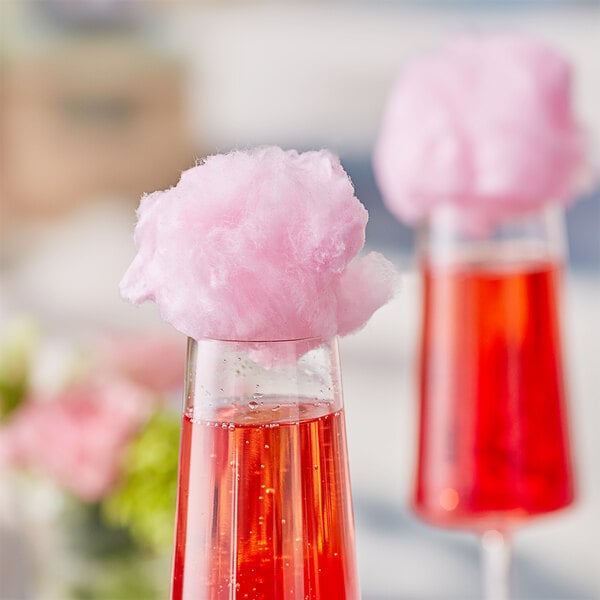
x: 494, y: 445
x: 264, y: 505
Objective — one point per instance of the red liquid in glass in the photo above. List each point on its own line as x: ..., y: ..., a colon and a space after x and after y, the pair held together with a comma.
x: 264, y: 508
x: 494, y: 444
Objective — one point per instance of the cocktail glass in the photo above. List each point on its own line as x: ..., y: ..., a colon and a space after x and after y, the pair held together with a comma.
x: 264, y: 506
x: 494, y: 446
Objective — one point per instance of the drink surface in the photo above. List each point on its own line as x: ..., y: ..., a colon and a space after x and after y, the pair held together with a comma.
x: 264, y: 507
x: 494, y: 444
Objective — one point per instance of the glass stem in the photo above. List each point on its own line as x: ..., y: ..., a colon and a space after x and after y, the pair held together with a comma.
x: 495, y: 554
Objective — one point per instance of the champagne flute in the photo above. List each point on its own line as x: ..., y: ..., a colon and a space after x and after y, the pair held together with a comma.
x: 264, y: 505
x: 494, y: 446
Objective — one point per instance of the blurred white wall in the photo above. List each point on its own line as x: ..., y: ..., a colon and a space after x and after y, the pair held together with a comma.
x: 317, y: 73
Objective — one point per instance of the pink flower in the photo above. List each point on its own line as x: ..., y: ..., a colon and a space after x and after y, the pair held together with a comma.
x: 77, y: 437
x: 153, y: 361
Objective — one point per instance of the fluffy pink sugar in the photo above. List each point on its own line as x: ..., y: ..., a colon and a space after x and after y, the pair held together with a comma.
x: 485, y: 124
x: 368, y: 283
x: 254, y: 245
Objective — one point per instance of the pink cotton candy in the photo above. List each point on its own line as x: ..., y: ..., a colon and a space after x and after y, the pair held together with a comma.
x: 485, y: 124
x: 258, y: 245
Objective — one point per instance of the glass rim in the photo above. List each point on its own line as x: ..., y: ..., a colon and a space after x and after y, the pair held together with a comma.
x: 265, y: 341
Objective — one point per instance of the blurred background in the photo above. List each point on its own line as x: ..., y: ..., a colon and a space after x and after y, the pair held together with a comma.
x: 102, y: 100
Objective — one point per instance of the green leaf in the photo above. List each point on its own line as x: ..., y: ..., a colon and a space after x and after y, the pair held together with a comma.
x: 20, y: 338
x: 144, y: 502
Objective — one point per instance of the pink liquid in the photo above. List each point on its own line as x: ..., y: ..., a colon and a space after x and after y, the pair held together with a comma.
x: 264, y: 508
x: 494, y: 445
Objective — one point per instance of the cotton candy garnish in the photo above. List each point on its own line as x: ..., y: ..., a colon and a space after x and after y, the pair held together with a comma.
x: 258, y: 245
x: 485, y: 125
